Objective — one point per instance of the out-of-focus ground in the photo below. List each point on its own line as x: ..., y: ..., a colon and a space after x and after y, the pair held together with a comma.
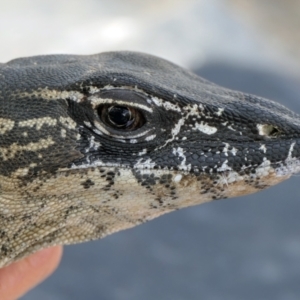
x: 246, y: 248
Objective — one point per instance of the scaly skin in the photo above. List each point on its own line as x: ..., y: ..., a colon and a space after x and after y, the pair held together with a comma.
x: 90, y: 145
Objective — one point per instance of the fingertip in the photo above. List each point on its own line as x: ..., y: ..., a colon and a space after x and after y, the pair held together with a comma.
x: 19, y: 277
x: 48, y: 258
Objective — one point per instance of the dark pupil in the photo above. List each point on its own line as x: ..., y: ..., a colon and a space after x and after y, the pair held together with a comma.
x: 120, y: 115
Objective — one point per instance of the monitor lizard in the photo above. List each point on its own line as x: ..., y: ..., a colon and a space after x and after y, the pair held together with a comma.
x: 90, y: 145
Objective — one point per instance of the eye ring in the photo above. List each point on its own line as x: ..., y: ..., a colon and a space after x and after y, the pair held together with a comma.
x: 121, y: 117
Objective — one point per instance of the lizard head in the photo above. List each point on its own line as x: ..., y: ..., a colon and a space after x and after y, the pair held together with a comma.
x: 94, y: 144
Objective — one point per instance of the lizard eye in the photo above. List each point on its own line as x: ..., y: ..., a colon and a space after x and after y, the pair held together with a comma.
x: 121, y: 117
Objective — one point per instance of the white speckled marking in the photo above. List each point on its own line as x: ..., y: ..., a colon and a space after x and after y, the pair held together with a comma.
x: 177, y: 178
x: 291, y: 150
x: 263, y: 148
x: 226, y: 150
x: 143, y: 152
x: 205, y: 128
x: 150, y: 137
x: 96, y: 101
x: 220, y: 111
x: 180, y: 152
x: 147, y: 164
x: 133, y: 141
x: 224, y: 167
x: 166, y: 104
x: 264, y: 168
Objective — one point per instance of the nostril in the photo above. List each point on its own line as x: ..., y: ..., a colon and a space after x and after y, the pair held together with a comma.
x: 267, y: 130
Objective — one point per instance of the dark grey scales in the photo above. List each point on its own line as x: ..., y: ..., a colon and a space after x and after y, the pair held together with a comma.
x: 90, y: 145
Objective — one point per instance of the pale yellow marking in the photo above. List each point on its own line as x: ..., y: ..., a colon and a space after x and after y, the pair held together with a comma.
x: 25, y: 133
x: 10, y: 152
x: 63, y: 133
x: 67, y: 122
x: 95, y: 101
x: 76, y: 96
x: 6, y: 125
x: 38, y: 122
x: 22, y: 171
x: 47, y: 94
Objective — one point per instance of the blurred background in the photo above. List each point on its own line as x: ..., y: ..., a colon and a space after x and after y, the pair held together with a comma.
x: 245, y: 248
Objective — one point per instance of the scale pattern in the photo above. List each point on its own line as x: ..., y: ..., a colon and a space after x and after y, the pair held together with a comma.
x: 66, y: 176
